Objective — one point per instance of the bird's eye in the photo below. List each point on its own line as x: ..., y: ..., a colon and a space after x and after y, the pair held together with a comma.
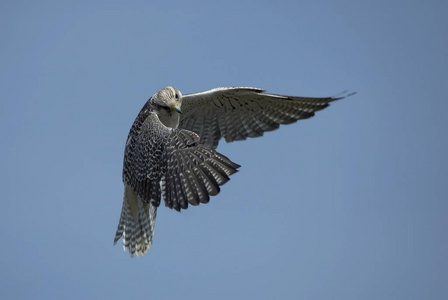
x: 177, y: 96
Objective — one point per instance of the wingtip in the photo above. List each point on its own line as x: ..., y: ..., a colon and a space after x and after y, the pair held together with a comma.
x: 342, y: 95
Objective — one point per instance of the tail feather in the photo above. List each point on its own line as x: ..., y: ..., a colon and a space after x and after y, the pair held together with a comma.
x: 136, y: 226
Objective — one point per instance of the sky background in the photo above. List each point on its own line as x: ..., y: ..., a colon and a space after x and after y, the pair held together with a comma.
x: 351, y: 204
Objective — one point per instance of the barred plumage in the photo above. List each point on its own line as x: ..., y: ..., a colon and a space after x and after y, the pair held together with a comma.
x: 181, y: 163
x: 137, y: 236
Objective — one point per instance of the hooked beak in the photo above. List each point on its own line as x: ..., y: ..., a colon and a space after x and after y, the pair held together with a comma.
x: 176, y: 108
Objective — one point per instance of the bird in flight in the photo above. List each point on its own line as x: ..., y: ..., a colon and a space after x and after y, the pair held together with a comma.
x: 170, y: 149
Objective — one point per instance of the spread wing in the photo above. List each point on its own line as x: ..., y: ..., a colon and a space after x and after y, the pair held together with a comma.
x: 190, y: 172
x: 239, y: 113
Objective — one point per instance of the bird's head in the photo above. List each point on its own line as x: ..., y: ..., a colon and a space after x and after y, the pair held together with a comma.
x: 168, y: 98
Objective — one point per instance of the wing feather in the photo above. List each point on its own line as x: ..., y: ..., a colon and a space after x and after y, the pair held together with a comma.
x: 194, y: 172
x: 239, y: 113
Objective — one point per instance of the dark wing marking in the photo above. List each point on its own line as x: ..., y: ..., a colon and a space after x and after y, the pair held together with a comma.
x: 194, y: 172
x: 239, y: 113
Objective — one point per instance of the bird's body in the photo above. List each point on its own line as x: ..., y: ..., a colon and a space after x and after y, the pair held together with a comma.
x: 170, y: 149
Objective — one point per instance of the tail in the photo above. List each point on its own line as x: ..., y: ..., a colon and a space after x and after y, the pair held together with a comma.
x: 136, y: 226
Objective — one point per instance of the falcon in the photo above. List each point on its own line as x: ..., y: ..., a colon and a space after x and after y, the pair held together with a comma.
x: 170, y: 149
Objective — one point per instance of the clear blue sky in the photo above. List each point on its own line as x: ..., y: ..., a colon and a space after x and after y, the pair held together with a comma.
x: 351, y: 204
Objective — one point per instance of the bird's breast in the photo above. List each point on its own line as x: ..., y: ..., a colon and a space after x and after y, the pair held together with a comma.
x: 169, y: 119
